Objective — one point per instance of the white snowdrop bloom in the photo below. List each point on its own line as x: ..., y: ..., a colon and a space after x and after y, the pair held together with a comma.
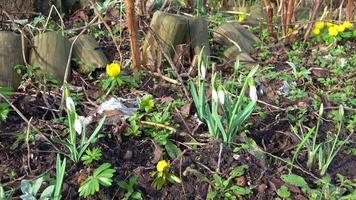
x: 203, y: 71
x: 70, y: 104
x: 253, y: 93
x: 78, y: 124
x: 214, y: 95
x: 221, y: 96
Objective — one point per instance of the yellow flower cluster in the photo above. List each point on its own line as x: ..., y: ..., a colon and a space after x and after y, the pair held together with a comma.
x: 333, y: 29
x: 113, y: 69
x: 162, y: 165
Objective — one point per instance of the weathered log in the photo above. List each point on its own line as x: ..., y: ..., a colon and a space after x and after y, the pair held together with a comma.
x: 51, y: 53
x: 232, y: 32
x: 10, y: 55
x: 171, y: 29
x: 199, y: 35
x: 233, y: 52
x: 86, y: 50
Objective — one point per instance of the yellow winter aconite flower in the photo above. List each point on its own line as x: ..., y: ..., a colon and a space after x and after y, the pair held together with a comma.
x: 333, y: 31
x: 319, y: 25
x: 329, y: 24
x: 113, y: 69
x: 341, y: 28
x: 162, y: 165
x: 242, y: 17
x: 316, y: 31
x: 347, y: 24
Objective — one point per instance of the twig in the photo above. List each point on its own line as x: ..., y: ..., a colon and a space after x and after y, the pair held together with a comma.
x: 28, y: 146
x: 159, y: 125
x: 171, y: 63
x: 28, y: 122
x: 219, y: 158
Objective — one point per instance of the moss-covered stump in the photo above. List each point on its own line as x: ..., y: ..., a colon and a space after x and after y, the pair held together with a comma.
x: 171, y: 30
x: 199, y: 35
x: 10, y: 56
x: 88, y: 54
x: 50, y: 52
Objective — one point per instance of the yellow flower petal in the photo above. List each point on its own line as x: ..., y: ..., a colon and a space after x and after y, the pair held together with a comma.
x: 319, y: 25
x: 333, y: 31
x: 113, y: 69
x: 316, y: 31
x: 341, y: 28
x: 162, y: 165
x: 347, y: 24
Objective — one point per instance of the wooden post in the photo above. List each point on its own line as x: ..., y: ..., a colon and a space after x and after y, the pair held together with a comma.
x: 132, y: 26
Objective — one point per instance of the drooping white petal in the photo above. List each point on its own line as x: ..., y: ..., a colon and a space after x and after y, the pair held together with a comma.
x: 203, y: 71
x: 214, y: 95
x: 78, y: 125
x: 221, y: 96
x: 70, y: 104
x: 253, y: 93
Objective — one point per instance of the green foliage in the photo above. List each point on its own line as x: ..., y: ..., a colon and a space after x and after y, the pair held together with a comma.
x: 91, y: 155
x: 223, y: 188
x: 77, y: 125
x: 283, y: 192
x: 147, y: 103
x: 101, y: 176
x: 324, y: 151
x: 4, y: 111
x: 4, y: 107
x: 30, y: 189
x: 5, y: 195
x: 236, y: 108
x: 324, y: 189
x: 131, y: 193
x: 134, y: 130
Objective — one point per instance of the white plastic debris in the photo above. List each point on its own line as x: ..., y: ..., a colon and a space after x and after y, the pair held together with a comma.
x: 116, y: 104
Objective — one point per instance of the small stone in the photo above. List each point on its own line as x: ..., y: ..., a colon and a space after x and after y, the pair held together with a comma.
x: 128, y: 155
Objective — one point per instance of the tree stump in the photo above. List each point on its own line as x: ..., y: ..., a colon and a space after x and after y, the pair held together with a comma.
x: 10, y: 56
x: 87, y: 52
x: 51, y: 53
x: 171, y: 29
x: 199, y: 35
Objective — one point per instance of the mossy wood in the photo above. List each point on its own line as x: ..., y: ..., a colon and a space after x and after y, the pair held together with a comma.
x: 199, y: 35
x: 171, y: 29
x: 87, y: 51
x: 50, y: 51
x: 10, y: 56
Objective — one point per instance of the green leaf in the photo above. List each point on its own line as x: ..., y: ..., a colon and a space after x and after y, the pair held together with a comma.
x: 295, y: 180
x: 240, y: 191
x: 237, y: 172
x: 172, y: 149
x: 147, y: 103
x: 47, y: 193
x: 283, y: 192
x: 4, y: 111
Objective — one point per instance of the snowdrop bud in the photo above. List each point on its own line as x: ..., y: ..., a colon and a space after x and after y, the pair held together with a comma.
x: 253, y: 93
x: 70, y: 104
x: 78, y: 124
x: 203, y: 71
x: 221, y: 96
x: 214, y: 95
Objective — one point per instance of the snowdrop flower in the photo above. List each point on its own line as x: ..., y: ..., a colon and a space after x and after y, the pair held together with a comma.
x: 221, y: 96
x: 253, y: 93
x: 82, y: 122
x: 78, y: 125
x: 214, y: 95
x: 70, y: 104
x: 203, y: 71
